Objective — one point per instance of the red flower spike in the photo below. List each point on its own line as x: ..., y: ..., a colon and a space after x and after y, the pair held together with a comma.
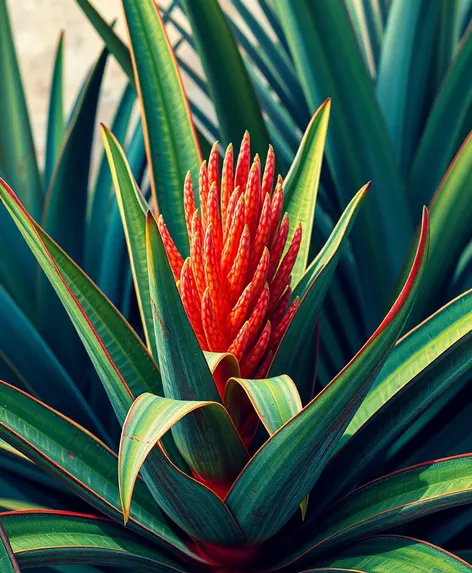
x: 244, y: 159
x: 212, y: 277
x: 214, y: 337
x: 203, y: 191
x: 213, y: 170
x: 196, y: 253
x: 237, y: 274
x: 276, y: 210
x: 281, y: 279
x: 189, y: 202
x: 235, y: 287
x: 239, y: 344
x: 269, y: 172
x: 191, y: 301
x: 278, y: 246
x: 232, y: 241
x: 262, y: 234
x: 228, y: 217
x: 259, y: 313
x: 250, y: 362
x: 227, y: 179
x: 263, y: 369
x: 260, y: 275
x: 214, y: 220
x: 173, y: 256
x: 253, y: 195
x: 284, y: 324
x: 238, y: 314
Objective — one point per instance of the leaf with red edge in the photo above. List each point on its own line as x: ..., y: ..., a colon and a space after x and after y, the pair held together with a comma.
x: 8, y: 562
x: 110, y: 341
x: 67, y: 538
x: 388, y: 553
x: 80, y: 461
x: 312, y: 288
x: 150, y: 417
x: 388, y: 502
x: 272, y: 485
x: 171, y: 142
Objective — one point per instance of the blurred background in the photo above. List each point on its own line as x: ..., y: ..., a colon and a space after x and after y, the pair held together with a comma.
x: 37, y: 25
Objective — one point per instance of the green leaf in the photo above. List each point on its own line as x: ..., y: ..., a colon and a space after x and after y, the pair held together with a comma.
x: 80, y: 461
x: 275, y: 400
x: 56, y: 124
x: 8, y: 562
x: 222, y: 455
x: 186, y: 375
x: 269, y: 489
x: 424, y: 365
x: 367, y: 20
x: 133, y: 210
x: 171, y: 142
x: 405, y: 61
x: 358, y: 148
x: 23, y: 348
x: 311, y: 290
x: 102, y: 197
x: 387, y: 553
x: 110, y: 342
x: 113, y: 42
x: 67, y: 193
x: 301, y: 183
x: 106, y: 335
x: 443, y: 132
x: 65, y: 538
x: 69, y: 183
x: 414, y: 354
x: 451, y: 202
x: 230, y: 87
x: 391, y: 500
x: 18, y: 161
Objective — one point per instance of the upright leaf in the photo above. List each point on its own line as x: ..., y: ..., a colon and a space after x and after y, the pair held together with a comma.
x: 133, y: 210
x: 329, y: 64
x: 171, y: 142
x: 284, y: 470
x: 18, y: 160
x: 424, y: 366
x: 186, y: 375
x: 301, y: 183
x: 403, y: 71
x: 443, y: 132
x: 67, y: 193
x: 292, y: 356
x: 110, y: 342
x: 102, y: 194
x: 451, y: 203
x: 229, y: 84
x: 56, y: 123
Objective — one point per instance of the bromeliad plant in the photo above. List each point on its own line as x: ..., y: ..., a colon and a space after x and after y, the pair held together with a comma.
x: 218, y: 469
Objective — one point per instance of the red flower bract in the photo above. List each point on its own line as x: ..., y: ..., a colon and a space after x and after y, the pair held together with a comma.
x: 236, y: 285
